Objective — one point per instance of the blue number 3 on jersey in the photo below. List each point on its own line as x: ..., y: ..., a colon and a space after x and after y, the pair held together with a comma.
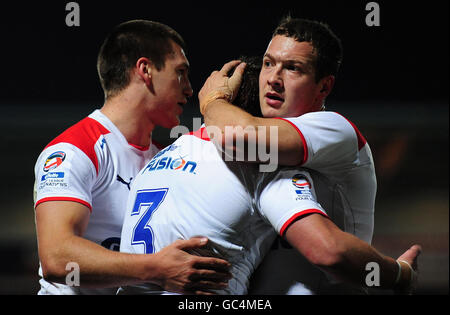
x: 147, y: 202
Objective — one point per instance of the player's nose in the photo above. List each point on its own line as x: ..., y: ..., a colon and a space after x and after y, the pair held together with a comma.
x: 188, y: 91
x: 275, y: 80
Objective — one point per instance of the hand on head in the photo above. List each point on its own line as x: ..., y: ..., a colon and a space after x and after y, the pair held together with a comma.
x: 220, y: 86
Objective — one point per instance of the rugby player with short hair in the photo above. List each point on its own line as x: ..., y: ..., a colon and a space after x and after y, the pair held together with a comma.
x: 298, y: 73
x: 83, y: 176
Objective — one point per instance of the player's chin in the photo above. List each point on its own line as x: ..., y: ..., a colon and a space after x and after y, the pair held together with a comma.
x: 270, y: 112
x: 172, y: 122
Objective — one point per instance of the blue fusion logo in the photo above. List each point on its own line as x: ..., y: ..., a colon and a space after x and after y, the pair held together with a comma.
x: 169, y: 163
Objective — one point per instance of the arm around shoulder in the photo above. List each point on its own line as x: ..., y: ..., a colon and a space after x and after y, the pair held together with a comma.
x: 236, y: 131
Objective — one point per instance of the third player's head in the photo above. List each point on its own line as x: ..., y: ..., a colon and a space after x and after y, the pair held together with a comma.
x: 151, y: 56
x: 299, y: 68
x: 247, y: 97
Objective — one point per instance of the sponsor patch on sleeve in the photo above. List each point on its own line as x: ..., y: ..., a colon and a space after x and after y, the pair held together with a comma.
x: 53, y: 179
x: 54, y: 160
x: 52, y: 176
x: 302, y: 187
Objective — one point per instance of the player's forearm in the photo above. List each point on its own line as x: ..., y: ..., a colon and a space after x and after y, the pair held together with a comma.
x: 356, y: 259
x: 98, y: 266
x: 345, y: 256
x: 240, y: 134
x: 232, y: 129
x: 221, y: 114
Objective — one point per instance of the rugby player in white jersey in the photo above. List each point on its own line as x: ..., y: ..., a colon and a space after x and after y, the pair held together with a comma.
x: 188, y: 189
x: 83, y: 176
x: 298, y: 73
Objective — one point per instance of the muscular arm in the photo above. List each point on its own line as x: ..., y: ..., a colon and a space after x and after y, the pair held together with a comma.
x: 342, y: 254
x: 60, y: 227
x: 226, y: 117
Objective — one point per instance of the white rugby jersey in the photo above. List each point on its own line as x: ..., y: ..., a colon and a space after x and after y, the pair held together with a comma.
x: 339, y: 161
x: 93, y: 164
x: 188, y: 190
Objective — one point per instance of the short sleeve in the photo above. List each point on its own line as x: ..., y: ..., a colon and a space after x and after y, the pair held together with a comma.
x: 64, y: 173
x: 287, y: 197
x: 329, y: 139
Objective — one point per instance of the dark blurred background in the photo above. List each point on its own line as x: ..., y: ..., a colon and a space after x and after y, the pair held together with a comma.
x: 393, y: 84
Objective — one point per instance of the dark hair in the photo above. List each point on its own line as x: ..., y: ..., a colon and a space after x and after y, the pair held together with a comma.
x: 127, y: 43
x: 326, y: 44
x: 247, y: 97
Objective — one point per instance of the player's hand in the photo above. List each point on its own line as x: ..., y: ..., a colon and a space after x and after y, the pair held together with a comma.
x: 219, y: 85
x: 189, y: 274
x: 408, y: 281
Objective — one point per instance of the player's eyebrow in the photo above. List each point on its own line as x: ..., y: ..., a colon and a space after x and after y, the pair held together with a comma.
x: 295, y: 61
x: 290, y: 61
x: 267, y: 55
x: 306, y: 65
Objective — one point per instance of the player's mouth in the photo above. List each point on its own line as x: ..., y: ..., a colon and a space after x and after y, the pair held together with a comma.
x: 181, y: 105
x: 273, y: 99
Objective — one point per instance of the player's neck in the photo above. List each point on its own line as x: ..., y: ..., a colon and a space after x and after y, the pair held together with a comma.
x: 125, y: 113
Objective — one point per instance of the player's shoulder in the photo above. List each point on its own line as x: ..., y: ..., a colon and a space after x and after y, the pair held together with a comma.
x: 329, y: 120
x: 195, y: 140
x: 83, y: 136
x: 323, y: 116
x: 83, y: 133
x: 361, y: 139
x: 201, y: 133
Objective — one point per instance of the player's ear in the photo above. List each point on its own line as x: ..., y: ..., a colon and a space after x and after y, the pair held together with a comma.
x: 144, y: 70
x: 326, y: 85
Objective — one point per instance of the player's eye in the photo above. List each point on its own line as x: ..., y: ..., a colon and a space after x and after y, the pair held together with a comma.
x: 294, y: 68
x: 182, y: 74
x: 267, y: 63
